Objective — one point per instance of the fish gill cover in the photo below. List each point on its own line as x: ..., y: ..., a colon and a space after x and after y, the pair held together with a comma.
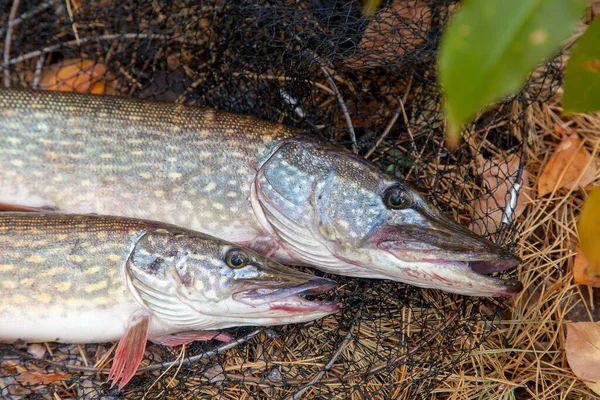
x: 365, y: 83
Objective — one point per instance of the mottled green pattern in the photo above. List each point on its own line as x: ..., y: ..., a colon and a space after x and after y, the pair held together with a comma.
x: 75, y: 262
x: 258, y: 184
x: 82, y: 278
x: 191, y: 166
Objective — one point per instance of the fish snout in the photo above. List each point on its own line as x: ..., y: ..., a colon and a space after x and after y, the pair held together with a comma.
x: 443, y: 239
x: 287, y: 292
x: 442, y: 254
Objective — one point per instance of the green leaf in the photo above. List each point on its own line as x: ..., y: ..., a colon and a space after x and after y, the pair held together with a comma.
x: 490, y: 47
x: 582, y: 76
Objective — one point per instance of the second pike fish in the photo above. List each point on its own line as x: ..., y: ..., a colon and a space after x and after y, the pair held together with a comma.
x: 88, y: 279
x: 262, y: 185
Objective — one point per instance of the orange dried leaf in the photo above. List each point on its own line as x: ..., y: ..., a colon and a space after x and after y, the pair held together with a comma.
x: 37, y: 350
x: 8, y: 367
x: 581, y: 269
x: 395, y: 30
x: 570, y: 165
x: 38, y: 377
x: 82, y: 76
x: 500, y: 178
x: 583, y: 352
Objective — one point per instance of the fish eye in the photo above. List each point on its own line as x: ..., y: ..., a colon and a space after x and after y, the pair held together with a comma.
x: 397, y: 198
x: 237, y: 259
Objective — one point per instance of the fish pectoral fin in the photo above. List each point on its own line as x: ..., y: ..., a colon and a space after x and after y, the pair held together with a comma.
x: 5, y: 207
x: 186, y: 337
x: 130, y: 350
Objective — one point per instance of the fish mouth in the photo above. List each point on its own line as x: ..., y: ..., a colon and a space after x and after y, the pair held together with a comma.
x: 291, y: 298
x: 485, y: 267
x: 454, y: 273
x: 482, y: 263
x: 451, y: 257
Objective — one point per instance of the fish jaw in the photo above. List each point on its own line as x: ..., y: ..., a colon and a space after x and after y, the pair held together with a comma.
x: 449, y: 276
x: 291, y: 299
x: 328, y: 209
x: 457, y: 259
x: 197, y: 288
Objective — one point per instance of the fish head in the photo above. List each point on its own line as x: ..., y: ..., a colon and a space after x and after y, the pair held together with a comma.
x: 334, y: 210
x: 194, y: 281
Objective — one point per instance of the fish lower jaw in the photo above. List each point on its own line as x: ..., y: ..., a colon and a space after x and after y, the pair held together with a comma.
x: 299, y: 304
x: 471, y: 278
x: 446, y: 275
x: 466, y: 283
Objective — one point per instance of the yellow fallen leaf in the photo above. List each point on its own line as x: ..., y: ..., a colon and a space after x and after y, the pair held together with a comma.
x: 79, y: 75
x: 500, y: 179
x: 369, y: 7
x: 570, y: 165
x: 583, y: 352
x: 589, y: 233
x: 581, y: 268
x: 393, y: 31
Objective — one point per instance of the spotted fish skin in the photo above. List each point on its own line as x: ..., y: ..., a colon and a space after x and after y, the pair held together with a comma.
x: 271, y: 188
x: 49, y: 280
x: 84, y: 278
x: 183, y: 165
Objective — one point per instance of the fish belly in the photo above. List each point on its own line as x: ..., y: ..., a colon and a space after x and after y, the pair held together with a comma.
x: 86, y: 325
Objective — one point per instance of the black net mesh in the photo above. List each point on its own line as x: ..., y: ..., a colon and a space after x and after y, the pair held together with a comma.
x: 366, y: 83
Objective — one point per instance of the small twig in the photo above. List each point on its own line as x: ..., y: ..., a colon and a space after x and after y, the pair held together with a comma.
x: 179, y: 358
x: 151, y: 367
x: 327, y: 367
x: 152, y: 36
x: 73, y: 24
x: 281, y: 78
x: 82, y: 354
x: 218, y: 350
x: 385, y: 132
x: 338, y: 95
x: 394, y: 119
x: 8, y: 41
x: 37, y: 76
x: 342, y: 104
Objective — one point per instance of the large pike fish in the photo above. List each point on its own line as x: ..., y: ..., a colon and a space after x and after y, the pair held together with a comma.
x: 87, y: 279
x: 259, y: 184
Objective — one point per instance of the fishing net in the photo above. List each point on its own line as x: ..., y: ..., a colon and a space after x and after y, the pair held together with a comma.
x: 367, y: 83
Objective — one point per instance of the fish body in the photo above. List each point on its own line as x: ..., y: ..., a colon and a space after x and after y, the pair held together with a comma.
x: 89, y: 278
x: 188, y: 166
x: 262, y: 185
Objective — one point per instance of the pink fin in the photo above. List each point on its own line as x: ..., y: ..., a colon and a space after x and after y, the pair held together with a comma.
x: 14, y: 207
x: 130, y: 350
x: 189, y: 336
